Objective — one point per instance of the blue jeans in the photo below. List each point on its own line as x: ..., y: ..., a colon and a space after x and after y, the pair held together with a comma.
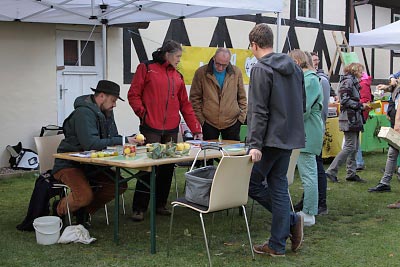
x: 359, y: 157
x: 274, y: 195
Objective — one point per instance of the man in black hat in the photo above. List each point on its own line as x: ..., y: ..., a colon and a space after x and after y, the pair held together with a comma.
x: 90, y: 126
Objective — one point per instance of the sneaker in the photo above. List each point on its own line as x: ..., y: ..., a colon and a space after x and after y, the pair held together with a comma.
x: 163, y: 211
x: 333, y: 179
x: 265, y: 249
x: 309, y: 220
x: 355, y: 178
x: 137, y: 216
x: 380, y: 188
x: 322, y: 211
x: 394, y: 205
x: 296, y: 233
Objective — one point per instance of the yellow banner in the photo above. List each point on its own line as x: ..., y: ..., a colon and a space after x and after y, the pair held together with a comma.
x: 195, y: 57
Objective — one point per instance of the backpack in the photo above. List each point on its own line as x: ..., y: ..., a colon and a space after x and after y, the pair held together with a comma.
x: 39, y: 205
x: 22, y: 158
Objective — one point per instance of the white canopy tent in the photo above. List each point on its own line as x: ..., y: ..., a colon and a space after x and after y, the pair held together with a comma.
x: 385, y: 37
x: 117, y: 12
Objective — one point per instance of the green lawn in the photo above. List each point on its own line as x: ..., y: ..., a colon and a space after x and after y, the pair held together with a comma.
x: 358, y: 231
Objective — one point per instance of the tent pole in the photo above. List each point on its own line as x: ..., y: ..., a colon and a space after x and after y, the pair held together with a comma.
x: 104, y: 40
x: 278, y: 31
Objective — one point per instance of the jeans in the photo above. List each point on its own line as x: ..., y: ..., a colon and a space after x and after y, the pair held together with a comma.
x: 321, y: 182
x: 359, y: 157
x: 274, y: 197
x: 348, y: 155
x: 391, y: 165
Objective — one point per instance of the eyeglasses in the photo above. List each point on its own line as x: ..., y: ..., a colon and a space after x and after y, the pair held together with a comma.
x: 250, y: 45
x: 220, y: 65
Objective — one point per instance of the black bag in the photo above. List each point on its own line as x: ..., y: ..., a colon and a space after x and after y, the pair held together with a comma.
x: 198, y: 185
x: 22, y: 158
x: 51, y: 130
x: 39, y: 204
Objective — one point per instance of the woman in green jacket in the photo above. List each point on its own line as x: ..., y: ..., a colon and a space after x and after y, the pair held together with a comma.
x: 314, y: 131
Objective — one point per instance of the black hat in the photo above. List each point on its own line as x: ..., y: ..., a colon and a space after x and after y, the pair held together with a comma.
x: 108, y: 87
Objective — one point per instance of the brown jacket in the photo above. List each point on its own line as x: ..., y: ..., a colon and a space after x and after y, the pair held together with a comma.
x: 219, y: 108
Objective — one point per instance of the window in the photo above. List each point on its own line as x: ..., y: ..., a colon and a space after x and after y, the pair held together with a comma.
x: 307, y: 10
x: 79, y: 53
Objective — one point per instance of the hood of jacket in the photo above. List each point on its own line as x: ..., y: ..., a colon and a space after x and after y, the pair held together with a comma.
x: 321, y: 73
x: 280, y: 63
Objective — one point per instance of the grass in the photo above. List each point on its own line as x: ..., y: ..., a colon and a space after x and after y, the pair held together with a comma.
x: 358, y: 231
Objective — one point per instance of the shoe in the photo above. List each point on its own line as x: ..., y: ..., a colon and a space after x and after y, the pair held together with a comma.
x: 355, y: 178
x: 265, y: 249
x: 296, y: 233
x: 309, y: 220
x: 394, y: 205
x: 334, y: 179
x: 322, y: 211
x: 360, y: 168
x: 380, y: 188
x: 163, y: 211
x: 137, y: 216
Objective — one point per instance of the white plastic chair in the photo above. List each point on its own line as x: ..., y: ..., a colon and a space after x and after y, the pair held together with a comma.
x: 46, y: 146
x: 229, y: 189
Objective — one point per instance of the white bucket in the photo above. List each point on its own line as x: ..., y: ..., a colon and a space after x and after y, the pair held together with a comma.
x: 47, y: 229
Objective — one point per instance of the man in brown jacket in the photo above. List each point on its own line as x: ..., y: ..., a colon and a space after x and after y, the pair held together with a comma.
x: 218, y: 97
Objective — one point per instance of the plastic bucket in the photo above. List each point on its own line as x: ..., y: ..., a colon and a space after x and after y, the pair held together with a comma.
x: 47, y: 229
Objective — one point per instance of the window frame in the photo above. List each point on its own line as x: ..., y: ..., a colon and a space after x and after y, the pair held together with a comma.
x: 308, y: 19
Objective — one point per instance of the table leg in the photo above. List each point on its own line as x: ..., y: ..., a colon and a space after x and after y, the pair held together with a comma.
x: 116, y: 205
x: 153, y: 210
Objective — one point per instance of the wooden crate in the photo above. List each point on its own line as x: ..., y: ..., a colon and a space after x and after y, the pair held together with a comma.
x: 390, y: 136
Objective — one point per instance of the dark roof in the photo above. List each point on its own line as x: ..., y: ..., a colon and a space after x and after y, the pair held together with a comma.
x: 384, y: 3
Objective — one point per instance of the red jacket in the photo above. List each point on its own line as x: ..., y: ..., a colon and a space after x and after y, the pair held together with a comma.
x: 365, y: 92
x: 157, y: 94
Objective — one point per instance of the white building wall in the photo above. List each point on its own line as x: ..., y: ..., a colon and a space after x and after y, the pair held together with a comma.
x: 27, y: 83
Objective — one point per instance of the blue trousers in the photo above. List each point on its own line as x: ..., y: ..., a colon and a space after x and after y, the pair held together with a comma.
x: 269, y: 187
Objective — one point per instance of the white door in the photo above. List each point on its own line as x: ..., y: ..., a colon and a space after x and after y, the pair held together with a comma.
x: 79, y: 67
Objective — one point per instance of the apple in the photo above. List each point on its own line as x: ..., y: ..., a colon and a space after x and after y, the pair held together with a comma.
x: 127, y: 151
x: 186, y: 146
x: 100, y: 154
x: 180, y: 146
x: 140, y: 137
x: 93, y: 155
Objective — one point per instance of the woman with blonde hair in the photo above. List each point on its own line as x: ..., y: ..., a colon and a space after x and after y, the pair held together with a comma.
x: 350, y: 122
x: 314, y: 131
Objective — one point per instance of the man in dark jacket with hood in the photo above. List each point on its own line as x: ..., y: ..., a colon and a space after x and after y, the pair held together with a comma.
x: 90, y: 126
x: 274, y: 127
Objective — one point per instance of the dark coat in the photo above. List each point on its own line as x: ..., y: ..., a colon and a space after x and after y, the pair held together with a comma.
x: 276, y: 104
x: 350, y: 116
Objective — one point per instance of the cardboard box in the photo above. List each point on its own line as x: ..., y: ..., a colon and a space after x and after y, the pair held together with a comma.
x: 390, y: 136
x: 383, y: 107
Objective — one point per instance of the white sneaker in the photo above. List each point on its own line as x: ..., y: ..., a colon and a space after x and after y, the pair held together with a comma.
x: 309, y: 220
